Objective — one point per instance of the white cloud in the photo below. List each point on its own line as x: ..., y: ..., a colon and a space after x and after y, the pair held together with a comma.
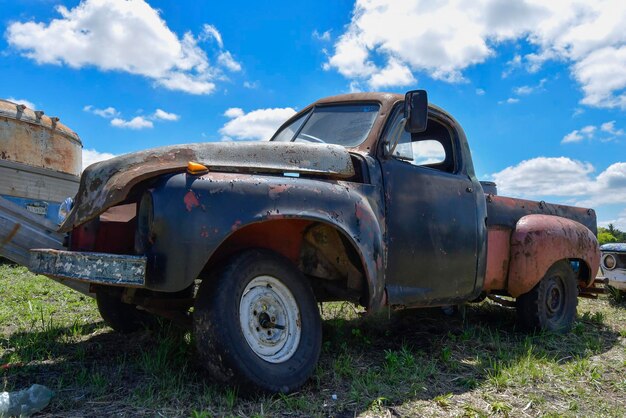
x: 91, y: 156
x: 226, y: 59
x: 258, y: 125
x: 480, y: 92
x: 589, y: 133
x: 107, y: 112
x: 512, y: 65
x: 394, y: 74
x: 574, y: 136
x: 234, y: 112
x: 251, y: 84
x: 324, y: 36
x: 444, y: 38
x: 355, y: 87
x: 186, y: 83
x: 510, y: 100
x: 211, y: 32
x: 619, y: 222
x: 609, y: 127
x: 163, y: 115
x: 523, y: 90
x: 564, y: 178
x: 526, y: 90
x: 128, y: 36
x: 24, y: 102
x: 138, y: 122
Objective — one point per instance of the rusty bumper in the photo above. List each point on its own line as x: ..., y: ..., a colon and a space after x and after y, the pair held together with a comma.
x: 99, y: 268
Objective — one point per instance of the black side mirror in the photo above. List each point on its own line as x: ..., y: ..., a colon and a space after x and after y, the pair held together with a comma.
x: 416, y: 111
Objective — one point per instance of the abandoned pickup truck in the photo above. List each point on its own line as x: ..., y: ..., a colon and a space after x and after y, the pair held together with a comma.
x: 367, y: 197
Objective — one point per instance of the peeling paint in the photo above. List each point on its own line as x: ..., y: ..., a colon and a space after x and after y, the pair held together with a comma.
x: 110, y: 269
x: 191, y: 200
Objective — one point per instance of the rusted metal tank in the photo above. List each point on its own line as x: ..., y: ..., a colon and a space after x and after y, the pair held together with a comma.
x: 40, y: 160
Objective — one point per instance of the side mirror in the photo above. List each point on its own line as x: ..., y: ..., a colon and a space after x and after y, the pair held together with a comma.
x: 416, y: 111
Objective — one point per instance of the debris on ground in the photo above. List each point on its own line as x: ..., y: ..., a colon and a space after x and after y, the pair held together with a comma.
x: 25, y: 402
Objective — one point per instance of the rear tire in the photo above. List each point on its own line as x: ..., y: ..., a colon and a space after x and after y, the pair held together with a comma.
x: 257, y: 325
x: 551, y: 304
x: 122, y: 317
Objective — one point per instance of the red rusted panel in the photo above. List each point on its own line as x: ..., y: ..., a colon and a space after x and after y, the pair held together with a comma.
x: 113, y: 232
x: 498, y: 256
x: 541, y: 240
x: 282, y: 236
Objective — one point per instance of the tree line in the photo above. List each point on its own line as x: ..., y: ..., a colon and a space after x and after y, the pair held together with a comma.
x: 610, y: 234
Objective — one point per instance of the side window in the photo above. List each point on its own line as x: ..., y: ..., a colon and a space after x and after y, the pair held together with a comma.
x: 432, y: 148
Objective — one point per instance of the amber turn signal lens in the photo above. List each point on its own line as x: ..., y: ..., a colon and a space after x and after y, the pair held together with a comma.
x: 196, y: 168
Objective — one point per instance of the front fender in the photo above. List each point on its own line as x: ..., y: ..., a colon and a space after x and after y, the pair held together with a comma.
x: 539, y: 241
x: 194, y: 215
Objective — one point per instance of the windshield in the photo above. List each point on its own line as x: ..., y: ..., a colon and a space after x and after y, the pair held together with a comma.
x: 346, y: 125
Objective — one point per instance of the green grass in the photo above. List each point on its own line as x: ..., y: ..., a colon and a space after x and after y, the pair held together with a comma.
x: 411, y: 363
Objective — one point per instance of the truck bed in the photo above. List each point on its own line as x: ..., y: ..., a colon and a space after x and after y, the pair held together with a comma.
x: 505, y: 211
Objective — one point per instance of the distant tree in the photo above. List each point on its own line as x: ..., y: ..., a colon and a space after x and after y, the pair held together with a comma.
x: 606, y: 237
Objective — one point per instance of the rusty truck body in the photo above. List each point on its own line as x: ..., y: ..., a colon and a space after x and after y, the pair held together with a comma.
x: 365, y: 197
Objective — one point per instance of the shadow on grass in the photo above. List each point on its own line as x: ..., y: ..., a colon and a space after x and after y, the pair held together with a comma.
x: 369, y: 363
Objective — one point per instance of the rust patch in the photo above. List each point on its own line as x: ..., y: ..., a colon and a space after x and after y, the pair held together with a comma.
x: 276, y: 190
x: 235, y: 226
x: 38, y: 141
x: 498, y: 253
x: 541, y: 240
x: 191, y: 201
x: 283, y: 237
x: 11, y: 234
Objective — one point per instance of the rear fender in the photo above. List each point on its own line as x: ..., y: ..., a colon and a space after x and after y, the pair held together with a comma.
x: 539, y: 241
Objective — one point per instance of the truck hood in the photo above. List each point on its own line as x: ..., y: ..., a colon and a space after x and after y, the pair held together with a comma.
x: 108, y: 183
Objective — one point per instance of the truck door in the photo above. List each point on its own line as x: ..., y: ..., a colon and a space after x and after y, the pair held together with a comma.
x: 431, y: 220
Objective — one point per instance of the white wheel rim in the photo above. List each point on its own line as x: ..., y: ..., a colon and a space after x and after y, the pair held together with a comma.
x: 270, y: 319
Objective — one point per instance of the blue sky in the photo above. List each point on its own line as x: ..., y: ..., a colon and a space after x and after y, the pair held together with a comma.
x: 539, y: 89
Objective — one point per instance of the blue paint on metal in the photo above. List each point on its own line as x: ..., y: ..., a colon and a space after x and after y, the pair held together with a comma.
x: 614, y: 247
x: 48, y: 210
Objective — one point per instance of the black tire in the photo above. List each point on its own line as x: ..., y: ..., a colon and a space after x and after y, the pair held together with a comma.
x: 222, y: 346
x: 551, y: 304
x: 122, y: 317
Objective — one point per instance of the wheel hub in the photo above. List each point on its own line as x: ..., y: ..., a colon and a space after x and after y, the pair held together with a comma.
x: 270, y: 319
x: 554, y: 300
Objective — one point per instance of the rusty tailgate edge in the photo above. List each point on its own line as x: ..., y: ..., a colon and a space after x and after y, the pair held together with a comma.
x: 109, y: 269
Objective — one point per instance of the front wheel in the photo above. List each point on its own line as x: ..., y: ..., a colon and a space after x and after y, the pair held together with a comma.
x: 551, y: 304
x: 257, y: 325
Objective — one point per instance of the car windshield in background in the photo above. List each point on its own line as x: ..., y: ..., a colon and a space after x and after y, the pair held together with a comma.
x: 346, y: 125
